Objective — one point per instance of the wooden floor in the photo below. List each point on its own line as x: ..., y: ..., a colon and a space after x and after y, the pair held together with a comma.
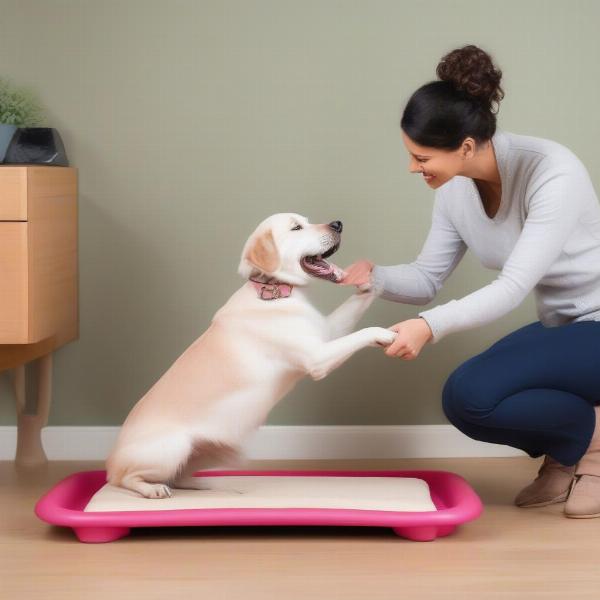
x: 507, y: 553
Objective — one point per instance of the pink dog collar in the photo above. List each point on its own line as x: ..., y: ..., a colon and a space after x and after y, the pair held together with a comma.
x: 273, y: 289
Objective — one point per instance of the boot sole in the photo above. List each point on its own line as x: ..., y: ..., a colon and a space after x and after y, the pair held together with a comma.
x: 592, y: 516
x: 556, y: 500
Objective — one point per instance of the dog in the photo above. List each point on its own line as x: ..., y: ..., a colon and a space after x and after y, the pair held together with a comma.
x: 258, y: 346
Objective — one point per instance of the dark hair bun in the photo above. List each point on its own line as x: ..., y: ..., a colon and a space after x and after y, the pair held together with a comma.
x: 472, y: 72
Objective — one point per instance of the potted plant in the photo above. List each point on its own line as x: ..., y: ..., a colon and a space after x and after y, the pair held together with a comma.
x: 19, y: 107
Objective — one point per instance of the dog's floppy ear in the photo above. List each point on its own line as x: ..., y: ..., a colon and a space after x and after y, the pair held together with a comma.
x: 263, y: 253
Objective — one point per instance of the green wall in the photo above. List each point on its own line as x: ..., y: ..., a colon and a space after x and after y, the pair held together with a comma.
x: 190, y: 122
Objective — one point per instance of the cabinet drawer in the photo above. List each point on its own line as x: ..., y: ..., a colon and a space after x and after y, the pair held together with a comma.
x: 38, y: 254
x: 13, y: 194
x: 13, y: 283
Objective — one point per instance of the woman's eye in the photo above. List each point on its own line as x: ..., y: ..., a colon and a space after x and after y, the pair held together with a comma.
x: 296, y: 228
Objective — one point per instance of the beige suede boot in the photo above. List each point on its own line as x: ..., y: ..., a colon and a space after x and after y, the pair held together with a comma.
x: 584, y: 498
x: 551, y: 485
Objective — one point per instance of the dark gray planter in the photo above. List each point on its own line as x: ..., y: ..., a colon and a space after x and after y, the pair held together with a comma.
x: 6, y: 134
x: 36, y: 145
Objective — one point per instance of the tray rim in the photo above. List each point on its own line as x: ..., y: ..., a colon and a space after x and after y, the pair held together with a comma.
x: 56, y: 505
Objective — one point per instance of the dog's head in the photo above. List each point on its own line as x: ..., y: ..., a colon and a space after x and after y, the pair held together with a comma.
x: 289, y: 248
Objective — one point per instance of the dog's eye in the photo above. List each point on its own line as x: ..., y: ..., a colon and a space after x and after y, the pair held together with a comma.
x: 296, y: 228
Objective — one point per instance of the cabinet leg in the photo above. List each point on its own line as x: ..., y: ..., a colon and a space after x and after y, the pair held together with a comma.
x: 30, y: 451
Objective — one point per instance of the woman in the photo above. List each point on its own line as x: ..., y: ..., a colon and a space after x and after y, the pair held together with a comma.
x: 526, y: 207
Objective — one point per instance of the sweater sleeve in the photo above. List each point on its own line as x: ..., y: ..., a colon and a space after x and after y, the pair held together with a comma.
x: 553, y: 214
x: 418, y: 282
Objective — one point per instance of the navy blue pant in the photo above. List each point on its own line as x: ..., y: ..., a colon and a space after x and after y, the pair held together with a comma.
x: 534, y: 389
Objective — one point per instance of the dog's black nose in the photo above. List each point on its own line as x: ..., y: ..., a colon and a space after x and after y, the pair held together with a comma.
x: 336, y: 226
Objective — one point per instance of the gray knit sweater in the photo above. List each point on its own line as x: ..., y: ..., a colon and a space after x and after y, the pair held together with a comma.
x: 545, y: 236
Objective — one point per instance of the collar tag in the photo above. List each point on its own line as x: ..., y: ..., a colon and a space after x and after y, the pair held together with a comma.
x: 272, y: 290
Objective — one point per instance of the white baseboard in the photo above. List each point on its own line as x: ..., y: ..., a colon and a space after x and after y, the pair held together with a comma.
x: 288, y: 442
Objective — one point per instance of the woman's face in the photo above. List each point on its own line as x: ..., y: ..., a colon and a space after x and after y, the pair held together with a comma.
x: 437, y: 166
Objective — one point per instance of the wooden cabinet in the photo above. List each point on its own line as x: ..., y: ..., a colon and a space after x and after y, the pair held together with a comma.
x: 38, y: 279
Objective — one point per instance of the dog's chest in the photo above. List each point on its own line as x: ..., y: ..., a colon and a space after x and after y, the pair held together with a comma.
x: 273, y: 336
x: 273, y: 317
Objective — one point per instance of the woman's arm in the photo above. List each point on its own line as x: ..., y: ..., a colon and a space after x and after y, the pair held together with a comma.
x: 554, y: 210
x: 418, y: 282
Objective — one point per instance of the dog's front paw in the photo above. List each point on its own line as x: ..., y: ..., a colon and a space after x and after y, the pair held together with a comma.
x: 382, y: 337
x: 372, y: 286
x: 364, y: 288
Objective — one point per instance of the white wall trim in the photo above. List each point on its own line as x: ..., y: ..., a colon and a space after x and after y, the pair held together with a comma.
x: 287, y: 442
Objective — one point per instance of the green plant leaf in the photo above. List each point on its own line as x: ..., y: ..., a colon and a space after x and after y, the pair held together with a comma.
x: 19, y: 106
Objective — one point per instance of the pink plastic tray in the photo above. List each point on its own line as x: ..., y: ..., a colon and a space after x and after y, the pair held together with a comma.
x: 455, y: 500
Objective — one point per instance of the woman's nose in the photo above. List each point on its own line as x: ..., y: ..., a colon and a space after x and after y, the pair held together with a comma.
x: 336, y: 226
x: 413, y: 166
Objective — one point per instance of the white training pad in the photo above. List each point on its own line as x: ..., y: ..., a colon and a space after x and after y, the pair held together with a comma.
x: 258, y: 491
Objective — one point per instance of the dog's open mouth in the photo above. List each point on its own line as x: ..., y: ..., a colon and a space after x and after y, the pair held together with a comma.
x: 317, y: 266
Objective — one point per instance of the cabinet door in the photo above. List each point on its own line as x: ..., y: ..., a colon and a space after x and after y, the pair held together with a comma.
x: 13, y: 283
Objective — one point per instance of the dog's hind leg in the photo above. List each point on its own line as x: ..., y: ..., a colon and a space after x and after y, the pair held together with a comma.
x: 147, y: 468
x: 138, y: 484
x: 205, y: 455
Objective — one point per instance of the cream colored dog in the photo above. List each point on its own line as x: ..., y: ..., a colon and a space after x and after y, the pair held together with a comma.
x: 255, y: 350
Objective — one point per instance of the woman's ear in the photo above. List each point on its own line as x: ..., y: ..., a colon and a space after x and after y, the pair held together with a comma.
x: 263, y: 254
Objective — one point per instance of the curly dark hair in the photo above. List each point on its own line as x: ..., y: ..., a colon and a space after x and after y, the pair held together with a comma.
x: 442, y: 113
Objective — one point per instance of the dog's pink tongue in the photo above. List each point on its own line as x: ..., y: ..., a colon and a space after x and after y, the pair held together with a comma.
x: 323, y: 269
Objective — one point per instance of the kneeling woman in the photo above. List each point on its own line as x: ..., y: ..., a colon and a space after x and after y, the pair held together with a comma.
x: 525, y: 206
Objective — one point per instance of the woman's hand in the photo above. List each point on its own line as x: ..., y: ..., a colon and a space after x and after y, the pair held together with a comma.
x: 358, y: 273
x: 413, y: 334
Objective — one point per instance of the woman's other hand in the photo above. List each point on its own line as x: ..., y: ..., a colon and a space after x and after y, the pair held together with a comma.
x: 412, y: 336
